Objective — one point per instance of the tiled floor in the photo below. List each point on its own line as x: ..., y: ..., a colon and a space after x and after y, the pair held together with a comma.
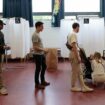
x: 20, y: 85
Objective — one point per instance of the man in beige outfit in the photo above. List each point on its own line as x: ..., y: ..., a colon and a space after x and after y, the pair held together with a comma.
x: 76, y: 62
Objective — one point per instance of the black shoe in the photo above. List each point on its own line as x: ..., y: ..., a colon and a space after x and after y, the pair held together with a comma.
x: 45, y: 83
x: 40, y: 86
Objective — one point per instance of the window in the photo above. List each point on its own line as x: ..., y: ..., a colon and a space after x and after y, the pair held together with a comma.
x: 70, y: 17
x: 42, y: 6
x: 42, y: 9
x: 42, y: 18
x: 1, y: 6
x: 82, y: 5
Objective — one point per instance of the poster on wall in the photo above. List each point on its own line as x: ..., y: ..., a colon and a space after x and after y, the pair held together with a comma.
x: 17, y: 20
x: 86, y: 20
x: 56, y: 9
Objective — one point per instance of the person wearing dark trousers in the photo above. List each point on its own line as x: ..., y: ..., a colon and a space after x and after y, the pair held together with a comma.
x: 40, y: 61
x: 39, y: 56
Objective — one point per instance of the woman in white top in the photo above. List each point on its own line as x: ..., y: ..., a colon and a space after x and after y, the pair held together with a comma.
x: 98, y: 67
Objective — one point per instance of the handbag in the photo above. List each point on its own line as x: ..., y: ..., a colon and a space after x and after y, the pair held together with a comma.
x: 68, y: 45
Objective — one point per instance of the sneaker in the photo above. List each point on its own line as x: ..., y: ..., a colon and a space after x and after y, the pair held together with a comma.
x: 3, y: 91
x: 87, y: 89
x: 39, y: 86
x: 46, y: 83
x: 75, y: 89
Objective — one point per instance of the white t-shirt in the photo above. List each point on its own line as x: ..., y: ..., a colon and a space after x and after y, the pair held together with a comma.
x: 98, y: 68
x: 73, y: 38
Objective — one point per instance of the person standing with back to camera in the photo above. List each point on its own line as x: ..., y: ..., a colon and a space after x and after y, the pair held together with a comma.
x: 76, y: 62
x: 39, y: 55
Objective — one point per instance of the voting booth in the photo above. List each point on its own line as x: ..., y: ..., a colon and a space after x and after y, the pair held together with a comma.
x: 17, y: 36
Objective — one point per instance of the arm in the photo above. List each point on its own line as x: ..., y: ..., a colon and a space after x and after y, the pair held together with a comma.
x: 72, y: 40
x: 35, y: 41
x: 4, y: 45
x: 2, y: 41
x: 74, y: 45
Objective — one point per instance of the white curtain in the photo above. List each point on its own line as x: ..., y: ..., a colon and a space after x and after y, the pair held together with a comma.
x: 91, y: 36
x: 17, y: 36
x: 65, y: 29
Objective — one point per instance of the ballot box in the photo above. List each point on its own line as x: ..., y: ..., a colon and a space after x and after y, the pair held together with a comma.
x: 52, y: 59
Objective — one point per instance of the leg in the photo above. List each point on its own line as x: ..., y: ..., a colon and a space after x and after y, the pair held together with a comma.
x: 38, y: 68
x: 82, y: 83
x: 99, y: 78
x: 38, y: 59
x: 43, y: 69
x: 77, y: 75
x: 1, y: 79
x: 3, y: 90
x: 2, y: 62
x: 74, y: 76
x: 43, y: 72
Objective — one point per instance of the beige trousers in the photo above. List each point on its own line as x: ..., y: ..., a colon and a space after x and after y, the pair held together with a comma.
x: 1, y: 78
x: 77, y: 74
x: 99, y: 78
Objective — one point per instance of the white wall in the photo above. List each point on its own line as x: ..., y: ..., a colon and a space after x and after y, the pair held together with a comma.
x: 91, y: 36
x: 50, y: 35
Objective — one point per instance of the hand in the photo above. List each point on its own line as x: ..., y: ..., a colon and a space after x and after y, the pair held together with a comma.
x: 45, y: 51
x: 6, y: 47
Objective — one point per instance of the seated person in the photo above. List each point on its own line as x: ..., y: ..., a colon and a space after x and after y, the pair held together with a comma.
x: 98, y: 67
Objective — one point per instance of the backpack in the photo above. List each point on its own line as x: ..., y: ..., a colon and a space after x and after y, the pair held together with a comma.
x: 68, y: 45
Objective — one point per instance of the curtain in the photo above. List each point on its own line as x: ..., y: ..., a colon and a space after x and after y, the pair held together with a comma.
x: 57, y: 12
x: 91, y: 36
x: 18, y: 8
x: 102, y: 8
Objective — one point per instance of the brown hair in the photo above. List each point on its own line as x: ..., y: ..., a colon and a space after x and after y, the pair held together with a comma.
x: 75, y: 25
x: 97, y: 55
